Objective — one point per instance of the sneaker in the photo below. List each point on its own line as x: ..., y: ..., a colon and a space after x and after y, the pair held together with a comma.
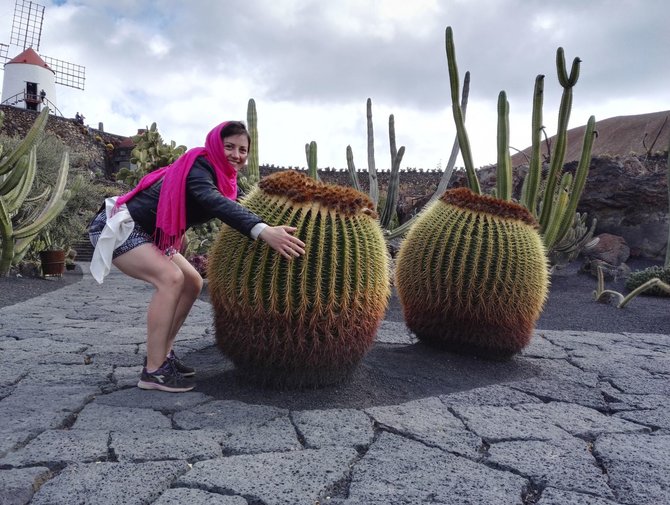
x: 180, y: 366
x: 166, y: 378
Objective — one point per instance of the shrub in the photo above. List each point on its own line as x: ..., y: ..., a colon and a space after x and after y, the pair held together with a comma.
x: 639, y: 277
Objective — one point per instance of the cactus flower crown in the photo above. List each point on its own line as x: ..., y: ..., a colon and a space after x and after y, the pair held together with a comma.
x: 300, y: 189
x: 464, y: 198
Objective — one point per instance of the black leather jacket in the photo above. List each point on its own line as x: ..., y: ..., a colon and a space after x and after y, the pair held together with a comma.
x: 203, y: 202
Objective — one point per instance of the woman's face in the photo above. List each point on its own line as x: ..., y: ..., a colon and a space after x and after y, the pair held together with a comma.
x: 236, y: 148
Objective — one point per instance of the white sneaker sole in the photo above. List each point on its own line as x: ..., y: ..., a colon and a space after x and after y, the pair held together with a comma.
x: 163, y: 387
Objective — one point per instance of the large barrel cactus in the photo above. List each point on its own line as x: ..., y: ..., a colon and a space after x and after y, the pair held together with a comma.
x: 306, y: 322
x: 472, y: 275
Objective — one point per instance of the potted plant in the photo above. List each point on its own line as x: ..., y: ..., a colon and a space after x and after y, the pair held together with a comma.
x: 69, y: 259
x: 52, y: 255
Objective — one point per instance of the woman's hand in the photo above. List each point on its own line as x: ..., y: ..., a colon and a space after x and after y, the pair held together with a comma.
x: 281, y: 239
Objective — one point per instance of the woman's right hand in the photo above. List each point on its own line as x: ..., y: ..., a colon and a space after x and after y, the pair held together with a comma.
x: 282, y: 240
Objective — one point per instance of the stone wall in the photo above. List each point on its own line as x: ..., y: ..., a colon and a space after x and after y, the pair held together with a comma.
x: 99, y: 151
x: 627, y: 195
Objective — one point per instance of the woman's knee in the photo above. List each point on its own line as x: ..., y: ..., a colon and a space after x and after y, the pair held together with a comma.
x: 171, y: 278
x: 192, y: 283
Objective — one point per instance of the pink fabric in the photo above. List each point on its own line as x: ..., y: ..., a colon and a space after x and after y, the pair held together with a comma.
x: 171, y: 212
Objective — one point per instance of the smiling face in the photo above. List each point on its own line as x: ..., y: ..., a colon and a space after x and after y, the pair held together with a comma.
x: 236, y: 148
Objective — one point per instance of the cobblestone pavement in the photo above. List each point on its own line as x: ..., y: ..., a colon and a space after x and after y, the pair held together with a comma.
x: 586, y: 421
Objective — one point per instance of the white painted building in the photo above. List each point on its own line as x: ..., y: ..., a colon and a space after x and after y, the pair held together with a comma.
x: 29, y: 83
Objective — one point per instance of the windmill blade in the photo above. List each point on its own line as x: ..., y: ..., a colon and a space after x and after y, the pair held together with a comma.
x: 67, y: 74
x: 27, y: 24
x: 4, y: 49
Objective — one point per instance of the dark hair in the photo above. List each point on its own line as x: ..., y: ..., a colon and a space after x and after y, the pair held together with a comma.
x: 235, y: 128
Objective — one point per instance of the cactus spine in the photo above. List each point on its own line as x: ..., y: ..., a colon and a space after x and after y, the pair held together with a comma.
x: 17, y: 174
x: 472, y: 274
x: 305, y: 322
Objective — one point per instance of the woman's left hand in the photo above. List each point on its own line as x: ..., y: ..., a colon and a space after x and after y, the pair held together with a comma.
x: 281, y: 239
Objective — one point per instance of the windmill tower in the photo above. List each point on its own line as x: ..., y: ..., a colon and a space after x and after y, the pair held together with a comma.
x: 30, y: 79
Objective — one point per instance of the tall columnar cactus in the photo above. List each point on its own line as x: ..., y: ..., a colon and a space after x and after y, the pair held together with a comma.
x: 253, y: 169
x: 308, y: 321
x: 17, y: 174
x: 392, y: 193
x: 557, y: 205
x: 312, y: 159
x: 396, y: 158
x: 472, y: 275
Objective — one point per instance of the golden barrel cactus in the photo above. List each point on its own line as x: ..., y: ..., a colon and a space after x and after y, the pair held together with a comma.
x: 472, y: 275
x: 306, y: 322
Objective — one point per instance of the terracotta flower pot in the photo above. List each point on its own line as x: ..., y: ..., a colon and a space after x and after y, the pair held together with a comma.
x: 53, y: 263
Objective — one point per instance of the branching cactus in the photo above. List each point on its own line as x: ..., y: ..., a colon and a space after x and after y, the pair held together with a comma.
x: 472, y: 275
x: 309, y: 321
x: 393, y: 189
x: 149, y: 154
x: 557, y: 205
x: 17, y: 174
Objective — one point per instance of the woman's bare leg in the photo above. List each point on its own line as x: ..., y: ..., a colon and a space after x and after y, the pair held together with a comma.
x: 146, y: 263
x: 189, y: 294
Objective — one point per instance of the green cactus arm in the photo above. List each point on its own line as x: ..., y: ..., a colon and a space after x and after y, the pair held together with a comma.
x: 550, y: 234
x: 563, y: 77
x: 45, y: 217
x: 602, y: 295
x: 54, y: 206
x: 393, y: 186
x: 504, y: 168
x: 61, y: 181
x: 448, y: 169
x: 558, y: 156
x: 8, y: 162
x: 19, y: 194
x: 372, y: 168
x: 310, y: 152
x: 6, y: 239
x: 353, y: 175
x: 252, y: 161
x: 650, y: 284
x: 532, y: 181
x: 459, y: 117
x: 581, y: 175
x: 11, y: 180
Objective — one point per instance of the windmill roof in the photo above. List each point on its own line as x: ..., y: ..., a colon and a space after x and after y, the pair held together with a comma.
x: 30, y: 57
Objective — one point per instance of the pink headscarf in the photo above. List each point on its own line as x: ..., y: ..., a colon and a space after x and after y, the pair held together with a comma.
x: 171, y: 212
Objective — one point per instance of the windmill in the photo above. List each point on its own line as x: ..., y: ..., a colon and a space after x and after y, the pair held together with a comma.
x: 30, y: 79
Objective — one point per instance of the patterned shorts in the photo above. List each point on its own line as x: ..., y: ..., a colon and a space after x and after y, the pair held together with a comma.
x: 136, y: 238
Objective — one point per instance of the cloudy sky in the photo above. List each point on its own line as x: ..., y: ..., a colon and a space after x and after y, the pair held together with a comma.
x: 311, y: 65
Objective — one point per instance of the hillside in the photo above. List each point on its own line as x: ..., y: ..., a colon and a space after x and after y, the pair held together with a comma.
x: 617, y: 136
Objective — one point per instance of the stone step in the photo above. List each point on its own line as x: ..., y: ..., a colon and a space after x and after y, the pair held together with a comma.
x: 84, y: 249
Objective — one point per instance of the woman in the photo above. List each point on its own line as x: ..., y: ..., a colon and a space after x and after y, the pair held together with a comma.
x: 141, y: 232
